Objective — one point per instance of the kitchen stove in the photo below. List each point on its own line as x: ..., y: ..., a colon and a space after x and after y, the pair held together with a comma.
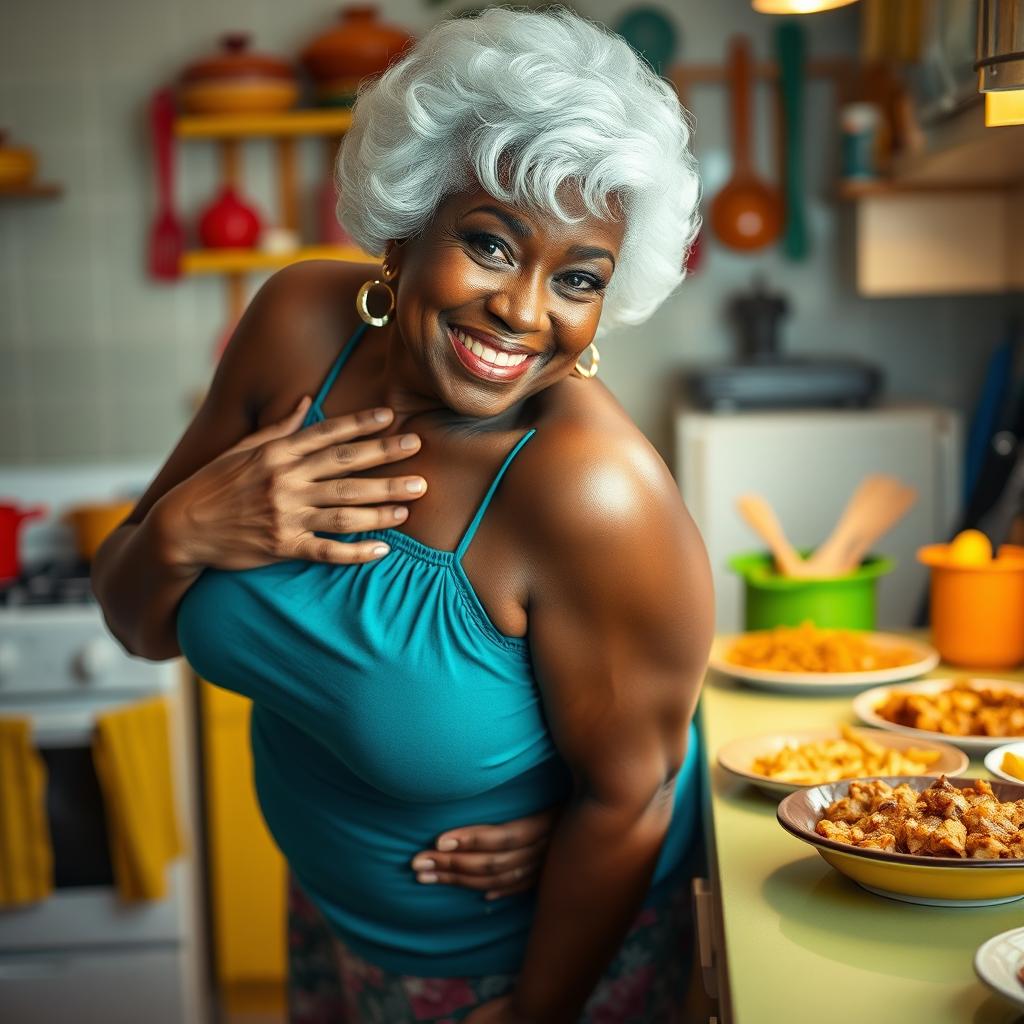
x: 54, y: 582
x: 81, y: 954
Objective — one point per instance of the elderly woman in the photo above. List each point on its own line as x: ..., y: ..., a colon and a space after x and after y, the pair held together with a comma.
x: 514, y: 618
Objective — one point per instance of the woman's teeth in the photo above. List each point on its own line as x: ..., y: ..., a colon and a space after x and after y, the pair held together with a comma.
x: 481, y: 351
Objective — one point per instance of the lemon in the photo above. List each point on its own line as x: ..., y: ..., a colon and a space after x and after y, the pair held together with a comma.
x: 1013, y: 765
x: 971, y: 547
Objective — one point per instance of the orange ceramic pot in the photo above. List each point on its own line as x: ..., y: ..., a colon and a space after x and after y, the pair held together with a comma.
x: 977, y: 611
x: 93, y: 523
x: 359, y: 46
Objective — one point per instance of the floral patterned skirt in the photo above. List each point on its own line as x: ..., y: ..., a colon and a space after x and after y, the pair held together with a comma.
x: 329, y: 984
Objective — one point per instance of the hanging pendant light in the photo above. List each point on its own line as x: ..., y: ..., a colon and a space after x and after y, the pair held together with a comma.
x: 1000, y: 63
x: 798, y: 6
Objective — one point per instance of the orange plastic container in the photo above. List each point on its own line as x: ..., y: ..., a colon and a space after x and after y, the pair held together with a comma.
x: 977, y: 611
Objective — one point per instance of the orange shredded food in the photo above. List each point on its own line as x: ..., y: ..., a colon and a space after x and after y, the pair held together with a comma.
x: 806, y: 648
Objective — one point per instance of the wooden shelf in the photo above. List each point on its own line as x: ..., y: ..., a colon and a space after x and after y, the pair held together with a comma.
x: 328, y: 121
x: 243, y: 261
x: 30, y: 191
x: 960, y: 148
x: 837, y: 68
x: 854, y: 190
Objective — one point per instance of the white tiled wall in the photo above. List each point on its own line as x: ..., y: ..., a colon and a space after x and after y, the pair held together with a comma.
x: 97, y: 362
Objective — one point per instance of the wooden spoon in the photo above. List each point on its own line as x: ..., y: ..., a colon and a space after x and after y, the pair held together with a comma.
x: 878, y: 503
x: 761, y: 518
x: 747, y: 213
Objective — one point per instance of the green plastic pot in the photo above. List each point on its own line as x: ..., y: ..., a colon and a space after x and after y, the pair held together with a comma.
x: 842, y: 602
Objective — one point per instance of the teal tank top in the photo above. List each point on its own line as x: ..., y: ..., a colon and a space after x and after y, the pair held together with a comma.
x: 388, y: 708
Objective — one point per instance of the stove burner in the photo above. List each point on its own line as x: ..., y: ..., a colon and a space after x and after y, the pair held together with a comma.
x: 49, y: 583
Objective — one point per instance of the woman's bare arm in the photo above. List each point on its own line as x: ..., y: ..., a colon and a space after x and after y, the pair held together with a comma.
x: 138, y: 574
x: 233, y: 496
x: 621, y: 622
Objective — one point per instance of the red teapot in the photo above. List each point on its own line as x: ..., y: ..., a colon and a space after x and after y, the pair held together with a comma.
x: 11, y: 518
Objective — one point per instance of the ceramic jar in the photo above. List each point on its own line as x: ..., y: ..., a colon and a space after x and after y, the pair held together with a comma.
x: 360, y: 45
x: 228, y: 223
x: 237, y: 81
x: 977, y: 611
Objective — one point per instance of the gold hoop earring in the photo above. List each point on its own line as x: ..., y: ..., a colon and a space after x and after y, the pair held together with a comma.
x: 363, y: 309
x: 595, y: 360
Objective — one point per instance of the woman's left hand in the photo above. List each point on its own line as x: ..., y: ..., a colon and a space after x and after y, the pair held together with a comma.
x: 498, y: 860
x: 497, y: 1011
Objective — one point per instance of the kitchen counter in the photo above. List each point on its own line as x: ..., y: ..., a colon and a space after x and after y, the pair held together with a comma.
x: 796, y: 941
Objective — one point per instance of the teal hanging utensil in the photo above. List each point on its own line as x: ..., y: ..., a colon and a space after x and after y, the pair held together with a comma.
x: 651, y: 34
x: 790, y: 47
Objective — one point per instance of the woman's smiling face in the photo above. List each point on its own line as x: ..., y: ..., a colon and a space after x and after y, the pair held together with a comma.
x: 496, y: 303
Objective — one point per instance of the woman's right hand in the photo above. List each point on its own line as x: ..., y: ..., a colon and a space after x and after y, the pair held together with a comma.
x: 263, y: 499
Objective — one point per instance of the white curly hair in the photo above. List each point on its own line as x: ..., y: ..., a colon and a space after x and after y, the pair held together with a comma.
x: 524, y: 101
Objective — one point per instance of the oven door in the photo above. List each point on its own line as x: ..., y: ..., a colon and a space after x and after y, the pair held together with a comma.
x: 83, y: 909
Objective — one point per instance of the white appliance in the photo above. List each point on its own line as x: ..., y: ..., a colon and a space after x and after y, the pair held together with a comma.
x: 807, y: 464
x: 82, y: 955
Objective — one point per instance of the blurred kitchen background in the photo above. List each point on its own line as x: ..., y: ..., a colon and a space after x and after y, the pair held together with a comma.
x: 873, y: 330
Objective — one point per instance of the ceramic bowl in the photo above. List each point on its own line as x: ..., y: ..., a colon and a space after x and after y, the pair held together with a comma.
x: 934, y: 881
x: 866, y: 706
x: 994, y: 760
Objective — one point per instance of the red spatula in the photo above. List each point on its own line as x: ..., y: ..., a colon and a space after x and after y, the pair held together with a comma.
x: 167, y: 236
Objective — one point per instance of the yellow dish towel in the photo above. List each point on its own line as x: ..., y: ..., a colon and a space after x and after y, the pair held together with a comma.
x: 131, y: 752
x: 26, y: 852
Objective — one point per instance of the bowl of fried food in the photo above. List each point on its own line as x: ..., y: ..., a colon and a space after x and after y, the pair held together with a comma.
x: 806, y: 658
x: 782, y: 763
x: 941, y: 842
x: 976, y: 715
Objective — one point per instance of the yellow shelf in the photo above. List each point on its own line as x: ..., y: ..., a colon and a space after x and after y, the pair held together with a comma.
x: 329, y: 121
x: 242, y: 261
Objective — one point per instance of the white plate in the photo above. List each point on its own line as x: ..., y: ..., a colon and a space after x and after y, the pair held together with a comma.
x: 737, y: 756
x: 864, y: 705
x: 997, y: 962
x: 994, y: 758
x: 827, y: 682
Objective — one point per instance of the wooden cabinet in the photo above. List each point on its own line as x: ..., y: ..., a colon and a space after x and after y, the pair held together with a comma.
x: 247, y: 874
x: 950, y: 220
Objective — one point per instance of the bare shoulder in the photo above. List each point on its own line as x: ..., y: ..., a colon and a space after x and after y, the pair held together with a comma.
x: 594, y: 473
x: 293, y: 328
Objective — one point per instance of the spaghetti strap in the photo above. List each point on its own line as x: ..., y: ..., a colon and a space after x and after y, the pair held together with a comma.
x: 478, y: 518
x: 332, y: 375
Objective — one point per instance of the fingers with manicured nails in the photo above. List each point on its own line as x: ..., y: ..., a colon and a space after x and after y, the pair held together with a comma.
x: 355, y: 520
x: 508, y: 836
x: 490, y: 864
x: 364, y: 490
x: 355, y: 456
x: 338, y: 430
x: 318, y: 549
x: 485, y: 884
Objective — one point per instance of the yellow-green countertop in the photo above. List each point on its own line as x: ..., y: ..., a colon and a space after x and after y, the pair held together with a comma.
x: 801, y: 942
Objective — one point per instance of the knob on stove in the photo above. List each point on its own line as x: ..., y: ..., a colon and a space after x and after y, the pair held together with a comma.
x: 95, y: 657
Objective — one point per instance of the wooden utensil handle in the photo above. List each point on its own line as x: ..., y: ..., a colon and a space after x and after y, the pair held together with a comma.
x: 740, y: 74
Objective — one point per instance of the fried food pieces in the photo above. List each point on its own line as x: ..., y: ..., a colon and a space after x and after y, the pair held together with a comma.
x: 852, y: 757
x: 806, y: 648
x: 962, y: 710
x: 941, y: 821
